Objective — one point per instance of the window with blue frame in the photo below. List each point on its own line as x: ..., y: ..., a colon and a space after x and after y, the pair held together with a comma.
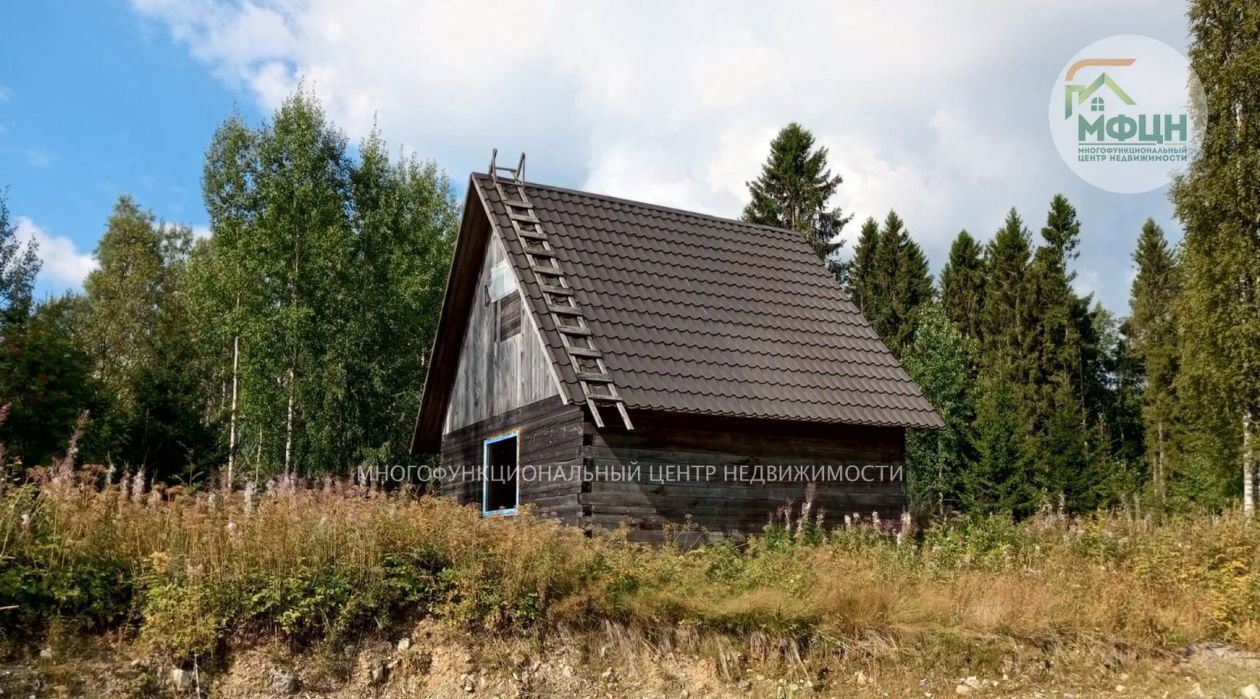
x: 500, y: 489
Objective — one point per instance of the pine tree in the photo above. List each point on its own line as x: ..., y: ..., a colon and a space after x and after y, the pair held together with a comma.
x: 1218, y: 200
x: 962, y: 284
x: 1152, y: 333
x: 794, y: 191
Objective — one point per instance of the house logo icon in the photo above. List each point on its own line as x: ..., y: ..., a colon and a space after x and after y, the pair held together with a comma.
x: 1120, y: 113
x: 1075, y: 94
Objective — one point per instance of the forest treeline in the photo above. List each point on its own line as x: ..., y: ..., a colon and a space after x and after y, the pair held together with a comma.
x: 1042, y: 390
x: 1049, y: 399
x: 293, y: 339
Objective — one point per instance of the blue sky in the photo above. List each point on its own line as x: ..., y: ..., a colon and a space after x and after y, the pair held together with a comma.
x: 666, y: 102
x: 98, y: 103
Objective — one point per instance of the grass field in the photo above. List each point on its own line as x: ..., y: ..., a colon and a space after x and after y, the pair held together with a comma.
x: 200, y: 578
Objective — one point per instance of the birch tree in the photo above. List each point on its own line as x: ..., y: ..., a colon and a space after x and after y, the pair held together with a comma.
x: 320, y: 288
x: 1218, y: 200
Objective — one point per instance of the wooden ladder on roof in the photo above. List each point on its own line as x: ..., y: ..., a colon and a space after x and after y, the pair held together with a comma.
x: 588, y: 362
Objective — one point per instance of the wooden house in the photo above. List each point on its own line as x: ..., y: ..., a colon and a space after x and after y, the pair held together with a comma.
x: 614, y: 361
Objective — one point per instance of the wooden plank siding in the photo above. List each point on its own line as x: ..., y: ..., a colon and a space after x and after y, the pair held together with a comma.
x: 496, y: 375
x: 721, y: 506
x: 550, y: 434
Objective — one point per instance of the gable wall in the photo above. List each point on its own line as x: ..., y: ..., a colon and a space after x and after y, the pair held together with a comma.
x: 496, y: 377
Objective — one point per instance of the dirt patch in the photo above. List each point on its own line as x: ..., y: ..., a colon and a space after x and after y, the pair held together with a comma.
x: 436, y: 661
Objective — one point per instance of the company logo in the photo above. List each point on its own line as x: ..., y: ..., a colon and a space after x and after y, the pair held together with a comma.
x: 1121, y: 113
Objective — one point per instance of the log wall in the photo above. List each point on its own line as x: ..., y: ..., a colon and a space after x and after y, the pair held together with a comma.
x: 554, y: 434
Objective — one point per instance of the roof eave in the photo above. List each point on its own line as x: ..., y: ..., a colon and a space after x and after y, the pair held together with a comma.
x: 470, y: 246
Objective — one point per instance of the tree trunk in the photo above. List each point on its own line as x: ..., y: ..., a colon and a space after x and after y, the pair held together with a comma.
x: 236, y: 363
x: 1159, y: 462
x: 288, y: 428
x: 1248, y: 465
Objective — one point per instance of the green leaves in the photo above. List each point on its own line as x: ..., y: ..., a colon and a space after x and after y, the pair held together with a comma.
x: 137, y: 333
x: 319, y: 290
x: 942, y: 363
x: 45, y: 380
x: 1218, y: 308
x: 18, y: 266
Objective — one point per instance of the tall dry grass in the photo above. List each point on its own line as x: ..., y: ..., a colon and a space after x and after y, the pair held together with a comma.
x: 190, y: 572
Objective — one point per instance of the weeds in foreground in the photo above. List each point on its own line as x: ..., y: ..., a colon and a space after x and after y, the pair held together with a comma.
x: 187, y: 572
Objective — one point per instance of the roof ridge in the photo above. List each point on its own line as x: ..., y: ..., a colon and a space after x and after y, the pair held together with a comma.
x: 648, y: 205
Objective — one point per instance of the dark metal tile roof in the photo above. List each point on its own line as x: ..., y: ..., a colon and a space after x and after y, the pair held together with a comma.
x: 704, y: 315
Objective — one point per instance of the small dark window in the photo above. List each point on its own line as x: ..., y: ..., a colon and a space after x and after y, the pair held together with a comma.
x: 500, y: 492
x: 507, y: 312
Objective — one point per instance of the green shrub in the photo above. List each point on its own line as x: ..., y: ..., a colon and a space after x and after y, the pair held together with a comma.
x: 189, y: 572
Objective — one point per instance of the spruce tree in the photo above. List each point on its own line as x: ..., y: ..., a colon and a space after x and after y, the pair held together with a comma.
x: 794, y: 191
x: 1003, y: 316
x: 1004, y: 477
x: 1218, y: 200
x: 863, y: 276
x: 998, y: 481
x: 1152, y: 335
x: 1062, y: 232
x: 962, y: 284
x: 1054, y: 400
x: 901, y: 282
x: 1115, y: 439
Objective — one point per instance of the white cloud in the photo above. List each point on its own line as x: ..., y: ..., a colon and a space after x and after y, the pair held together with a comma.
x: 5, y: 94
x: 64, y: 267
x: 200, y: 232
x: 935, y: 109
